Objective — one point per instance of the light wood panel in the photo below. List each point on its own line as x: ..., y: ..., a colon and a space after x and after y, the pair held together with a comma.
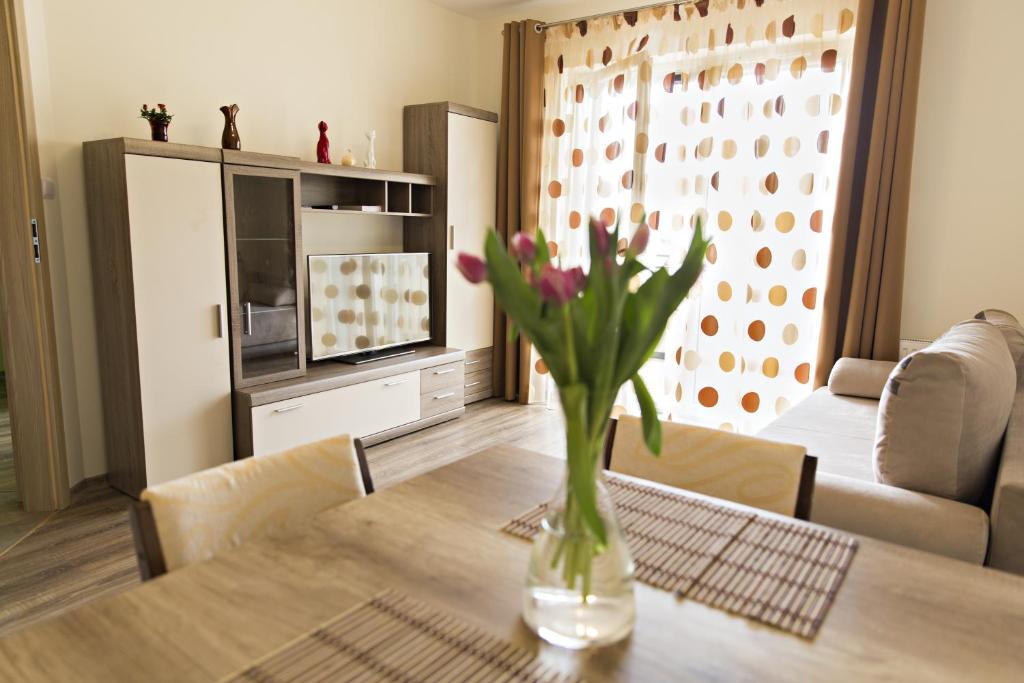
x: 472, y: 184
x: 177, y: 243
x: 26, y: 302
x: 900, y: 614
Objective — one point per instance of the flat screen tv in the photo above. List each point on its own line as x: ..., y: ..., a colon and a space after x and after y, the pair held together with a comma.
x: 360, y: 303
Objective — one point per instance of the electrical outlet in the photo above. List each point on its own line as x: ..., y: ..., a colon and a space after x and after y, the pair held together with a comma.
x: 909, y: 346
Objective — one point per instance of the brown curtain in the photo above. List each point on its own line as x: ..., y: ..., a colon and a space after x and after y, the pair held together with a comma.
x: 864, y: 288
x: 519, y: 148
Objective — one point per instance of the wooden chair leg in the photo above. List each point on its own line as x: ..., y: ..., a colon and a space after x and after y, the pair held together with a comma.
x: 364, y: 466
x: 147, y: 541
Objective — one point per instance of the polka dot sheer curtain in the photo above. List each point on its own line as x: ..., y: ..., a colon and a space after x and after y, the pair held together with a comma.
x: 727, y: 111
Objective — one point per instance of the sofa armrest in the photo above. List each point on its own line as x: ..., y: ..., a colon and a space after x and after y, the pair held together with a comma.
x: 1007, y: 551
x: 859, y: 377
x: 915, y: 520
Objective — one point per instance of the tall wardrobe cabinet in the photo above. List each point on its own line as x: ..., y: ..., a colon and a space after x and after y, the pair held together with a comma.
x: 158, y: 258
x: 458, y: 145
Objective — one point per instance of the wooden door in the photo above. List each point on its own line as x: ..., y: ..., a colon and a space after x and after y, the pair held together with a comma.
x: 26, y: 305
x: 265, y: 267
x: 472, y: 182
x: 177, y: 247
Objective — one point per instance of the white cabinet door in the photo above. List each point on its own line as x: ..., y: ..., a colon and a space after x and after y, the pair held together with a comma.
x: 177, y: 241
x: 472, y: 183
x: 358, y: 410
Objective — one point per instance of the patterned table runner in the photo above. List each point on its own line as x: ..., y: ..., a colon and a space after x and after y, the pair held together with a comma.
x: 396, y: 638
x: 779, y: 573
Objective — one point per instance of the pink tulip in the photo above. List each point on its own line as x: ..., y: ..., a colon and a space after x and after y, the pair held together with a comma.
x: 559, y: 286
x: 600, y: 235
x: 472, y: 268
x: 640, y: 239
x: 577, y: 280
x: 524, y: 248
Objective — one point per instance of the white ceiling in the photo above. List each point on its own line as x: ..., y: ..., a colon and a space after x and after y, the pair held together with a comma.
x: 487, y: 8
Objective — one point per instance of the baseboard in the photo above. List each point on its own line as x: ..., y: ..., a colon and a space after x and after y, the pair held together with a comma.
x: 85, y: 482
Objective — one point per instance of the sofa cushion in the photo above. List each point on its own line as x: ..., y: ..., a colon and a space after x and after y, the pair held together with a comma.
x: 1009, y: 326
x: 860, y: 377
x: 914, y: 520
x: 943, y: 414
x: 838, y: 430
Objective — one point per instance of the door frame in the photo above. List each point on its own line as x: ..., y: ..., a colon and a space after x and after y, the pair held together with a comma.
x: 26, y: 299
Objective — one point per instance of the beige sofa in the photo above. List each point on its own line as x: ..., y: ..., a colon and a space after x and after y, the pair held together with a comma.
x: 840, y: 424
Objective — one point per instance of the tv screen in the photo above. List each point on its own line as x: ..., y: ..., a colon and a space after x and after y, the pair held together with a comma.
x: 364, y: 302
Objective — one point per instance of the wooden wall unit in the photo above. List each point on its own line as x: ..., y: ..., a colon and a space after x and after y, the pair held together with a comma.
x: 179, y: 236
x: 458, y: 146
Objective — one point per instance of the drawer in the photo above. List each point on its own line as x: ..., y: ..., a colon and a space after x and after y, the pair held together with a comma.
x: 478, y: 396
x: 480, y: 380
x: 359, y: 410
x: 441, y: 401
x: 441, y: 377
x: 478, y: 360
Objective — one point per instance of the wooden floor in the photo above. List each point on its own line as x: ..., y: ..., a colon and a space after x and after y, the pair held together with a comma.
x: 15, y: 523
x: 85, y: 551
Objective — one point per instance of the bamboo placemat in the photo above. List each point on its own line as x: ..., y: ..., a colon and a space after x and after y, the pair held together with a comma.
x: 775, y: 572
x: 395, y: 638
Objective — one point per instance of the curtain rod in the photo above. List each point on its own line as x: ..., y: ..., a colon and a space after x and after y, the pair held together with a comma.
x: 540, y: 27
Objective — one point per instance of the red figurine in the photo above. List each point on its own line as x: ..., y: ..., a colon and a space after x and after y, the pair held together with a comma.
x: 323, y: 145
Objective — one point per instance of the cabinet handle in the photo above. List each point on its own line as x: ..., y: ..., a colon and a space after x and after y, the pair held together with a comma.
x: 472, y: 384
x: 447, y: 395
x: 220, y: 321
x: 395, y: 383
x: 444, y: 372
x: 472, y: 362
x: 247, y: 318
x: 288, y: 409
x: 451, y: 237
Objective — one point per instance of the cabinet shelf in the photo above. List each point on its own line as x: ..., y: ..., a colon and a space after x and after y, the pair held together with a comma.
x: 307, y: 209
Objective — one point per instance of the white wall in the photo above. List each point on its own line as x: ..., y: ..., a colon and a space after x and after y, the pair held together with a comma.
x: 287, y: 65
x: 966, y: 229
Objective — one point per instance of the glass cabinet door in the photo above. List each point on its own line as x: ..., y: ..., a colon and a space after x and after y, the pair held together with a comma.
x: 264, y: 268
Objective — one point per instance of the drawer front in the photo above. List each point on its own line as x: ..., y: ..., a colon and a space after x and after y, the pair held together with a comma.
x: 478, y: 381
x: 359, y: 410
x: 480, y: 359
x: 441, y: 401
x: 479, y: 385
x: 441, y: 377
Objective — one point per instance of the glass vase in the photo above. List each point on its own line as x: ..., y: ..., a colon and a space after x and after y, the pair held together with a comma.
x: 579, y: 592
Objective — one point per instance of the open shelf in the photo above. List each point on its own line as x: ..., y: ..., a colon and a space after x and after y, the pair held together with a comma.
x: 397, y: 194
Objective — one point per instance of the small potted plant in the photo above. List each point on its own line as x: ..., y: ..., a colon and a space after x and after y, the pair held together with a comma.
x: 158, y: 119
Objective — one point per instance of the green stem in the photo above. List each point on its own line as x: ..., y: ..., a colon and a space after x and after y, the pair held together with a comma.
x: 570, y: 345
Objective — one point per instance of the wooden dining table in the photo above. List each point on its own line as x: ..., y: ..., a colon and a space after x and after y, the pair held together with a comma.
x: 900, y: 614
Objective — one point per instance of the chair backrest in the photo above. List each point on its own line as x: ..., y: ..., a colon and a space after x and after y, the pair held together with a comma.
x: 195, y: 517
x: 764, y: 474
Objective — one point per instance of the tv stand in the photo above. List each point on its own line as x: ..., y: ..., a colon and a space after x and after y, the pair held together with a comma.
x: 421, y: 387
x: 370, y: 356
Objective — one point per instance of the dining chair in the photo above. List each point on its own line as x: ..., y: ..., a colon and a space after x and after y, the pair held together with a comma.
x: 769, y: 475
x: 200, y: 515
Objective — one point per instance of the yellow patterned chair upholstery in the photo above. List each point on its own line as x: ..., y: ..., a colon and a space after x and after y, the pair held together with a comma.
x: 769, y: 475
x: 198, y: 516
